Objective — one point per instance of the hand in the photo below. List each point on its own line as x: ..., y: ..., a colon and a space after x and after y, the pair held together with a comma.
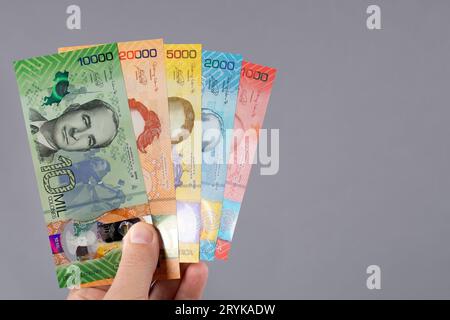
x: 134, y: 277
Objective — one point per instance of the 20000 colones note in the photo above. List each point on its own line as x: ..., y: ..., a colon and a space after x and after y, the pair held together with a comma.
x: 82, y: 144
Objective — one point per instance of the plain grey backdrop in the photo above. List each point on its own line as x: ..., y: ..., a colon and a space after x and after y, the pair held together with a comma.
x: 364, y: 153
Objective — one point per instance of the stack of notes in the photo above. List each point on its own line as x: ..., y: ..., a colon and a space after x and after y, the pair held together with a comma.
x: 140, y: 131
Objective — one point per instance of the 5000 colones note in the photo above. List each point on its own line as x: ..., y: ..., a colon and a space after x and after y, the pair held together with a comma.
x: 145, y: 81
x: 82, y: 142
x: 184, y: 84
x: 220, y: 83
x: 254, y: 93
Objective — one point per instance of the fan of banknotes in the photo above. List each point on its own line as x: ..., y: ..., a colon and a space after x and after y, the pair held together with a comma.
x: 140, y: 131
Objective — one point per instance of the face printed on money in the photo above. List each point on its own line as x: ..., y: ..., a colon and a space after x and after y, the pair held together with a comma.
x: 182, y: 119
x: 82, y: 127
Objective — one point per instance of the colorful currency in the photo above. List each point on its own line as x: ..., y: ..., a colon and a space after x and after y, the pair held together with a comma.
x: 254, y: 93
x: 79, y: 131
x: 88, y: 254
x: 220, y: 83
x: 184, y: 76
x: 144, y: 73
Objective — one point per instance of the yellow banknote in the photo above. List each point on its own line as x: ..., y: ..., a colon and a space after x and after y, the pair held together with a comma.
x: 184, y: 88
x: 144, y: 74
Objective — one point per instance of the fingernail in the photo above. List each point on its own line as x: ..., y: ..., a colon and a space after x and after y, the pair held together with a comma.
x: 140, y: 234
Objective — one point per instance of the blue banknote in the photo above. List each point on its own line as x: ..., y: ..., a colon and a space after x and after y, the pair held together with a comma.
x: 220, y: 84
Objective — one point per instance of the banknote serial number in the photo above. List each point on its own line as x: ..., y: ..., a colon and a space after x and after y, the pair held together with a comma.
x: 219, y: 64
x: 138, y: 54
x: 181, y: 54
x: 96, y: 58
x: 255, y: 74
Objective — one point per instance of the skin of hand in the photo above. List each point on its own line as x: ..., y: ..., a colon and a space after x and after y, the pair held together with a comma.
x: 134, y: 277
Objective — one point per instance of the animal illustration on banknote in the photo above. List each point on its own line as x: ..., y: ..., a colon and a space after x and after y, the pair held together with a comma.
x: 59, y: 88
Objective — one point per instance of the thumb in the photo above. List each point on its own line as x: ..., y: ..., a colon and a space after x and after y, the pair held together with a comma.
x: 138, y: 263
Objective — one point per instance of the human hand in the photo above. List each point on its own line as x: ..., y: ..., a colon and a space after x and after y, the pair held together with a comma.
x: 134, y: 277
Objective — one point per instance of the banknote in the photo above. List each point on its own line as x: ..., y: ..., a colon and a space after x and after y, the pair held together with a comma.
x: 80, y: 135
x: 88, y: 254
x: 144, y: 73
x: 220, y: 82
x: 254, y: 93
x: 184, y: 88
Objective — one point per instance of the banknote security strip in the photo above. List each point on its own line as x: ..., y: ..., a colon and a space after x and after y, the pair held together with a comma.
x: 140, y: 131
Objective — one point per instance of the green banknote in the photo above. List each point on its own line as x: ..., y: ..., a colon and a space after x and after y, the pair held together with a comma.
x: 80, y: 133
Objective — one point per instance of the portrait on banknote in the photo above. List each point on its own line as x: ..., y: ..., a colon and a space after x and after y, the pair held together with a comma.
x: 80, y: 127
x: 182, y: 119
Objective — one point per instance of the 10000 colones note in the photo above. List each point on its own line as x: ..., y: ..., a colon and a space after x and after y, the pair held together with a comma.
x: 220, y: 82
x: 82, y: 144
x: 254, y: 93
x: 184, y: 88
x: 144, y: 73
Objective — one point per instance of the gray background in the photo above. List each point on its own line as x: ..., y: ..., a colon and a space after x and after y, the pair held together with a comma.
x: 365, y: 158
